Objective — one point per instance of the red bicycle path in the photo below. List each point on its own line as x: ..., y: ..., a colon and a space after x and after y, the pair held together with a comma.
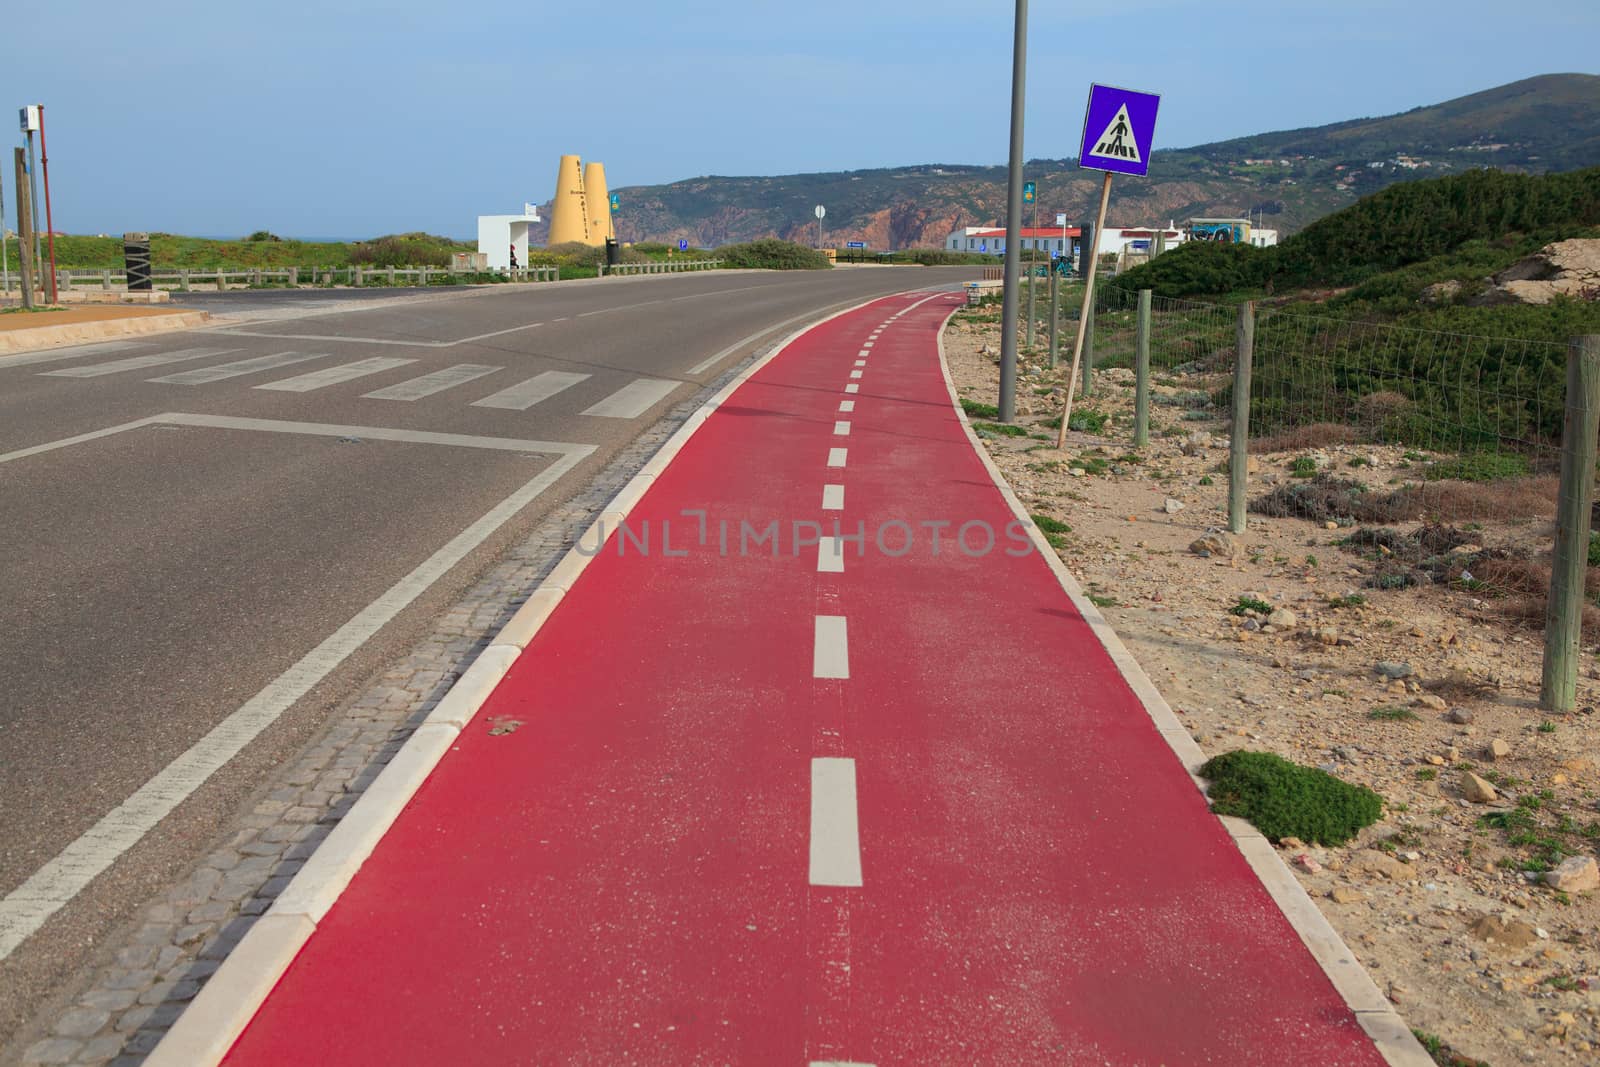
x: 625, y: 877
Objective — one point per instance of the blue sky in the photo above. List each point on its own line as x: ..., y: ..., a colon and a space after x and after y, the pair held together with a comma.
x: 352, y: 118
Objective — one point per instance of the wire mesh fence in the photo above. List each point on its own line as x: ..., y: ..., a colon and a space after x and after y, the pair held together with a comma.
x: 1436, y: 456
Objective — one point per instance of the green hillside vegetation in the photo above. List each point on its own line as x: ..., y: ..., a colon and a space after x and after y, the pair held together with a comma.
x: 1347, y: 312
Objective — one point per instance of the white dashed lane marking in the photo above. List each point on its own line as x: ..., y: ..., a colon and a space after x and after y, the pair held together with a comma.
x: 835, y: 832
x: 836, y: 457
x: 833, y: 498
x: 345, y: 372
x: 847, y: 405
x: 855, y: 374
x: 117, y: 366
x: 830, y: 555
x: 436, y: 382
x: 841, y: 429
x: 253, y: 365
x: 524, y: 395
x: 633, y: 399
x: 852, y: 388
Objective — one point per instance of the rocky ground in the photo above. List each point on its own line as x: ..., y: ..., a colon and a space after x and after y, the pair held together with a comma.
x: 1473, y: 902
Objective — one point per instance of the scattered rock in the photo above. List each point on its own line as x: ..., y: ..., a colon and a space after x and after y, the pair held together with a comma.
x: 1496, y: 750
x: 1327, y: 635
x: 1428, y: 700
x: 1503, y: 932
x: 1371, y: 861
x: 1216, y: 543
x: 1575, y: 874
x: 1341, y: 894
x: 1171, y: 506
x: 1307, y: 864
x: 1460, y: 716
x: 1196, y: 443
x: 1283, y: 619
x: 1393, y: 671
x: 1476, y: 789
x: 1440, y: 292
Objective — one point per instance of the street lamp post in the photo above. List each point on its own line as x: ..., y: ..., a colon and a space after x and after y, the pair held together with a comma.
x: 1008, y: 319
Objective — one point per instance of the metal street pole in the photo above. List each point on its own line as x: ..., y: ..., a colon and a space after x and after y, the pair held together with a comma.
x: 25, y: 253
x: 33, y: 204
x: 1008, y: 317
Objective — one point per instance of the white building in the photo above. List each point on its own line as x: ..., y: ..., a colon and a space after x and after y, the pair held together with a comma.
x: 1112, y: 240
x: 501, y: 235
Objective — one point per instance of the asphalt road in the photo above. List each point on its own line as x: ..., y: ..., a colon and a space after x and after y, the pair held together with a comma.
x: 189, y: 520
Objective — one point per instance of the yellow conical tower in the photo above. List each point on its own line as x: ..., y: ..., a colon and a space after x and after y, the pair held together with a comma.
x: 569, y: 215
x: 599, y: 201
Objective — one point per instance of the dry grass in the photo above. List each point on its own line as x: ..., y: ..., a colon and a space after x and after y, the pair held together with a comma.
x: 1314, y: 435
x: 1458, y: 686
x: 1449, y: 501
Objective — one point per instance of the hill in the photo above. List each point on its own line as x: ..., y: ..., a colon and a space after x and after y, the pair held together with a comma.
x: 1289, y: 178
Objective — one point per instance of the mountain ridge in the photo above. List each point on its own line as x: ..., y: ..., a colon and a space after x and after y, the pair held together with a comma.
x: 1286, y: 178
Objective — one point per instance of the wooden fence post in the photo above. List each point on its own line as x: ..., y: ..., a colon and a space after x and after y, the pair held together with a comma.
x: 1239, y: 433
x: 1563, y: 622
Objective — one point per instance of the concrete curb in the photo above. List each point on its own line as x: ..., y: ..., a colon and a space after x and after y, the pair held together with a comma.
x: 208, y: 1028
x: 1388, y: 1031
x: 35, y: 338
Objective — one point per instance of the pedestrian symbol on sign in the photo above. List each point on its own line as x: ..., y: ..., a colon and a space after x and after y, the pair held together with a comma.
x: 1117, y: 142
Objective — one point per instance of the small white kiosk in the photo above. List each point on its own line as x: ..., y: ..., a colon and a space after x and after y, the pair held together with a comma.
x: 499, y: 234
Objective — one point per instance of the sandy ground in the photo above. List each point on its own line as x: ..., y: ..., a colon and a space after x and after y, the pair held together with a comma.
x: 1446, y: 908
x: 27, y: 320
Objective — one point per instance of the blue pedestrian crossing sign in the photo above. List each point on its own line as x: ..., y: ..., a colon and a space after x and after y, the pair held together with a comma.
x: 683, y: 246
x: 616, y: 203
x: 1030, y: 192
x: 855, y: 244
x: 1118, y: 129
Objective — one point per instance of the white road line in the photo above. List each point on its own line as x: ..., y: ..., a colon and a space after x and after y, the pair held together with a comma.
x: 48, y: 889
x: 711, y: 361
x: 633, y: 399
x: 867, y: 344
x: 56, y: 355
x: 524, y: 395
x: 839, y: 1063
x: 864, y: 353
x: 847, y: 405
x: 855, y: 374
x: 833, y: 498
x: 117, y: 366
x: 841, y: 429
x: 861, y: 363
x: 436, y: 382
x: 345, y: 372
x: 238, y: 368
x: 830, y: 655
x: 350, y: 339
x: 852, y: 388
x: 835, y: 831
x: 836, y: 457
x: 830, y: 555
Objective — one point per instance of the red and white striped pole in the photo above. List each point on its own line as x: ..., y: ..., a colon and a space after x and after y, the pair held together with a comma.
x: 49, y: 224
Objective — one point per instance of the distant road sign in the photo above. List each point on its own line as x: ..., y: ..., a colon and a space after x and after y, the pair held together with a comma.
x: 683, y: 246
x: 821, y: 211
x: 1119, y: 127
x: 1030, y: 192
x: 855, y: 244
x: 1061, y: 220
x: 616, y: 203
x: 984, y: 247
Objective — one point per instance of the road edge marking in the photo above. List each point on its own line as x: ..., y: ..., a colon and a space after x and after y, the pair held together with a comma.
x: 228, y: 1002
x: 1372, y: 1011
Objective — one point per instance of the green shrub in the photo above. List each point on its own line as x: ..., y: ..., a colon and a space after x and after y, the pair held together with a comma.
x: 1477, y: 467
x: 978, y: 410
x: 1250, y: 603
x: 1086, y: 420
x: 1594, y: 548
x: 999, y: 429
x: 1049, y: 525
x: 772, y: 254
x: 1283, y: 799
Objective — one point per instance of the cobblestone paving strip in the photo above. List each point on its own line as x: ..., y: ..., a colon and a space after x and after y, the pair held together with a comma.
x: 126, y: 1008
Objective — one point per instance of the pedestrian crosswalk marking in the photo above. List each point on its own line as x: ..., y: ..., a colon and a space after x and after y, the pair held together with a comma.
x: 118, y: 366
x: 436, y: 382
x: 238, y: 368
x: 633, y: 399
x: 317, y: 379
x: 524, y: 395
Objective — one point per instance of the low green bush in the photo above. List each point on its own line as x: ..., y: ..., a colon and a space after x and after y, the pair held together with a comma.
x: 1283, y: 799
x: 1477, y: 467
x: 772, y: 254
